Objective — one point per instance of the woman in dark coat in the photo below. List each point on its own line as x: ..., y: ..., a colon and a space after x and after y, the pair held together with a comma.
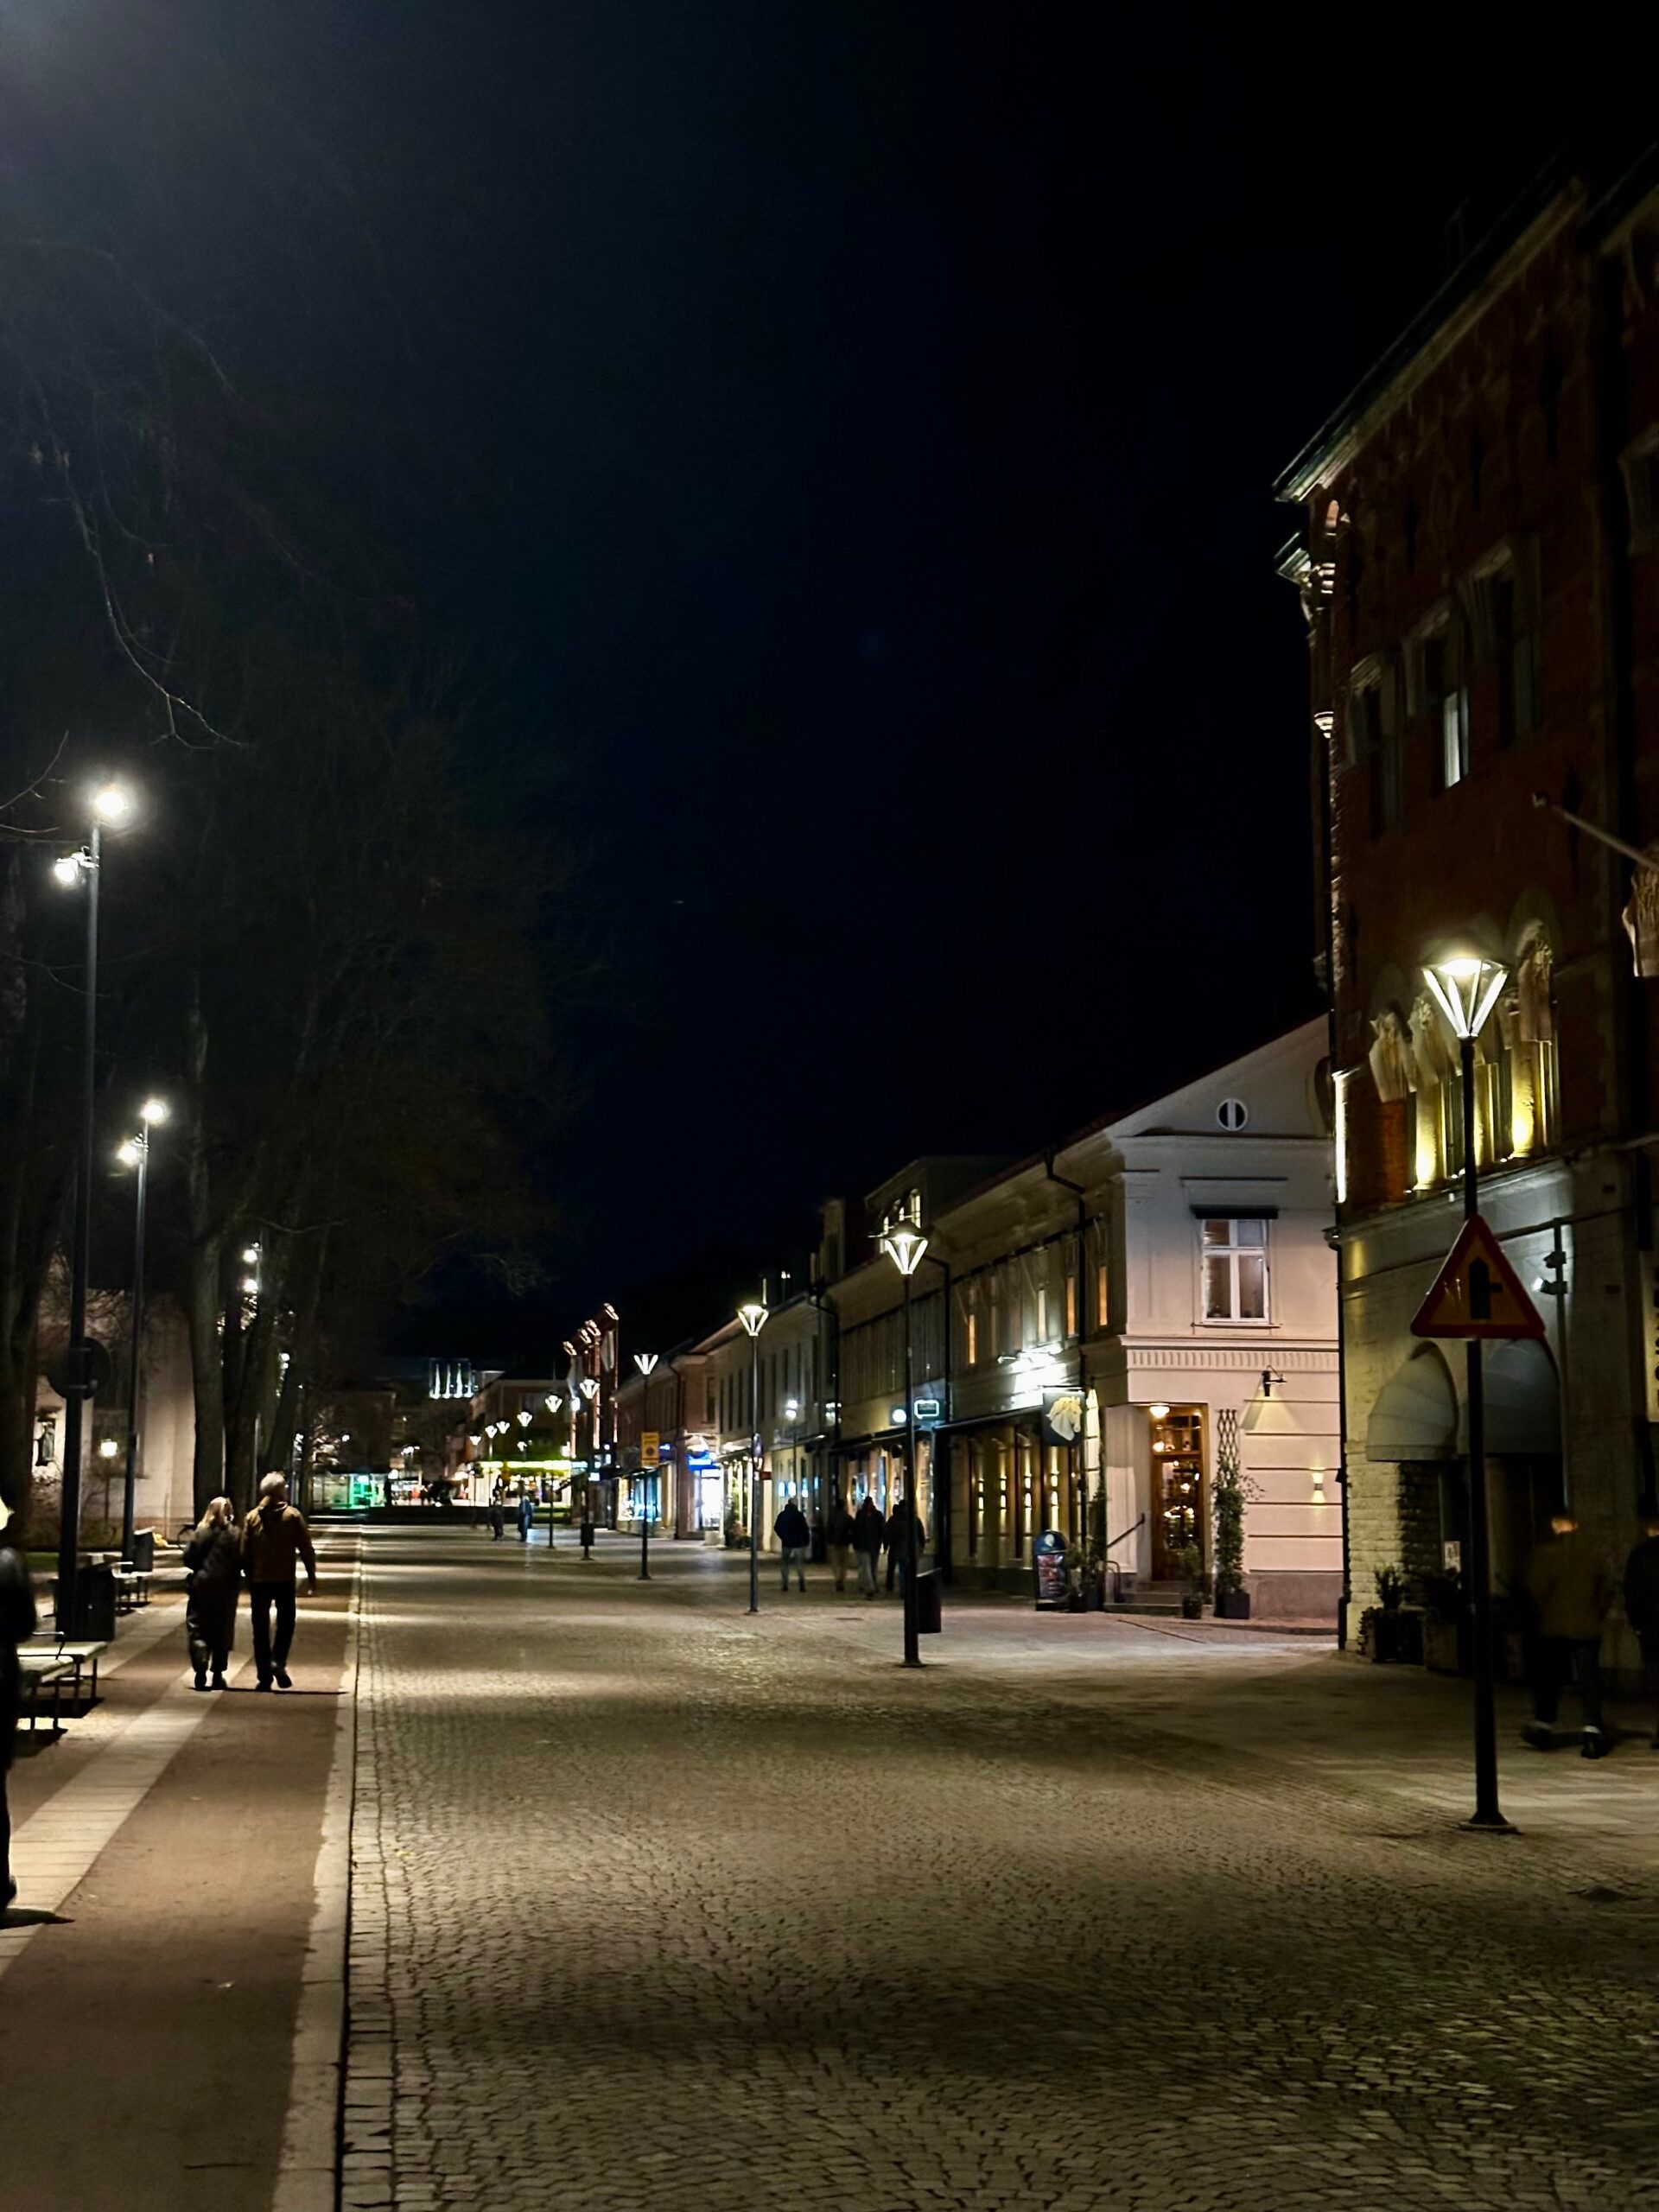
x: 213, y: 1556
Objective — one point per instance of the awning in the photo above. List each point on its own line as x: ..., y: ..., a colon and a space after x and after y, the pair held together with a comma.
x: 1523, y: 1403
x: 1415, y: 1414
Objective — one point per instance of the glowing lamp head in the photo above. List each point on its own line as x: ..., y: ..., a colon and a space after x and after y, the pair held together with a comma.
x: 66, y: 870
x: 904, y: 1244
x: 590, y: 1388
x: 108, y: 1448
x: 250, y: 1286
x: 523, y: 1419
x: 753, y: 1314
x: 154, y: 1112
x: 552, y: 1401
x: 250, y: 1256
x: 113, y: 804
x: 644, y: 1361
x: 131, y: 1152
x: 1159, y: 1412
x: 1465, y: 989
x: 791, y: 1408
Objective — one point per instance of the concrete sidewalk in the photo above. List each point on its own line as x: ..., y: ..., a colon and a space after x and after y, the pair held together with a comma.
x: 151, y: 1970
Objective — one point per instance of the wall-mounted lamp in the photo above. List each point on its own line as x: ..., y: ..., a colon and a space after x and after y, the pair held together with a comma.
x: 1270, y: 1377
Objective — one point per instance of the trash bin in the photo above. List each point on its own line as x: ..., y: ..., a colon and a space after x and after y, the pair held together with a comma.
x: 94, y: 1604
x: 927, y: 1601
x: 144, y: 1551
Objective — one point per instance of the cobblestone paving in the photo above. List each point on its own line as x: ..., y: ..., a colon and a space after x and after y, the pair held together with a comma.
x: 654, y: 1905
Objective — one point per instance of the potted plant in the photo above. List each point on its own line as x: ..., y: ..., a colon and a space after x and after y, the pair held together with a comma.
x: 1188, y: 1563
x: 1387, y: 1631
x: 1232, y: 1600
x: 1445, y: 1625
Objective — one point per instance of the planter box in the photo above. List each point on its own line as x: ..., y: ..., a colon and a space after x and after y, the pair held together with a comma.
x: 1391, y: 1637
x: 1193, y: 1608
x: 1232, y: 1604
x: 1445, y: 1646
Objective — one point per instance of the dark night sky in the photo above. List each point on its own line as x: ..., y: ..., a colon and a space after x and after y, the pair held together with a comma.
x: 844, y: 437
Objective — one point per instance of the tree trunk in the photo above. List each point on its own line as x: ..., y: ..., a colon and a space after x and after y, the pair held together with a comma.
x: 205, y: 1267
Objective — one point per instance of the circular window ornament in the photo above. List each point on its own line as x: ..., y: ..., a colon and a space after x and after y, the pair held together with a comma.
x: 1232, y: 1113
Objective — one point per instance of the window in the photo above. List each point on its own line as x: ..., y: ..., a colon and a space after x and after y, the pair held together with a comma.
x: 1071, y: 1305
x: 1375, y: 741
x: 1102, y: 1306
x: 1042, y: 1312
x: 1515, y: 647
x: 1234, y: 1258
x: 1447, y: 701
x: 971, y: 1335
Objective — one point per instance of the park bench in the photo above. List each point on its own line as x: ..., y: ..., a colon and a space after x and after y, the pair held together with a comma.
x: 132, y: 1586
x: 77, y: 1656
x: 38, y: 1671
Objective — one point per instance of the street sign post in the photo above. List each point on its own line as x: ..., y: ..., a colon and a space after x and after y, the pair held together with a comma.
x: 651, y: 1441
x: 1477, y: 1293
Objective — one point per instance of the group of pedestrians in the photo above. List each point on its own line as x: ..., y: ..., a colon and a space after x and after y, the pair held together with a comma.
x: 266, y: 1553
x: 850, y: 1538
x: 524, y: 1508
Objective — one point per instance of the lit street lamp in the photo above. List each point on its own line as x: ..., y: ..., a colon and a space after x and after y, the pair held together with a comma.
x: 109, y: 806
x: 644, y: 1361
x: 1467, y: 990
x: 904, y: 1244
x: 753, y: 1314
x: 135, y: 1153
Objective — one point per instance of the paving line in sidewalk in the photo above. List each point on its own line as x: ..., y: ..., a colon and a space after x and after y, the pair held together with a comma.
x: 57, y: 1845
x: 307, y: 2179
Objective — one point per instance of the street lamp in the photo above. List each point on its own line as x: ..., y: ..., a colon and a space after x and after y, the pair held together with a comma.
x: 904, y: 1244
x: 135, y: 1153
x: 1466, y: 989
x: 110, y: 805
x: 644, y: 1361
x: 753, y: 1314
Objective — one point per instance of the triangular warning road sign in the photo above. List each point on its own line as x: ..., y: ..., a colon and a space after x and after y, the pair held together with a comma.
x: 1477, y: 1293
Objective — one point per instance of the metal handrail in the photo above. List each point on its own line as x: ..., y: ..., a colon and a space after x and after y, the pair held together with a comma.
x: 1114, y: 1566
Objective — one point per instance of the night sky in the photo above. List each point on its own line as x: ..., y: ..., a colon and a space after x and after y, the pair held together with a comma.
x: 836, y: 444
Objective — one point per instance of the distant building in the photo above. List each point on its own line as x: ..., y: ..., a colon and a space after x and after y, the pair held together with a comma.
x: 1479, y: 562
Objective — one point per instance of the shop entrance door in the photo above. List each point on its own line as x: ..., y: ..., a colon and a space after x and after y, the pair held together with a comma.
x: 1177, y: 1491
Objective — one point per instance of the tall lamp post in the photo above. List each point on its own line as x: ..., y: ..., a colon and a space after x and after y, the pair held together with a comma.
x: 110, y: 805
x: 753, y: 1314
x: 1467, y: 990
x: 904, y: 1244
x: 589, y: 1388
x: 553, y: 1401
x: 644, y: 1361
x: 135, y: 1153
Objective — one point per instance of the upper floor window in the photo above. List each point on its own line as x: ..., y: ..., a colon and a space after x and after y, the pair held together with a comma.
x: 1377, y: 739
x: 1446, y: 697
x: 1233, y: 1255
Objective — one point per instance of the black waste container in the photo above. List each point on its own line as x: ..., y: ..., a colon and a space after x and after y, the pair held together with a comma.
x: 927, y: 1602
x: 144, y: 1551
x: 94, y: 1604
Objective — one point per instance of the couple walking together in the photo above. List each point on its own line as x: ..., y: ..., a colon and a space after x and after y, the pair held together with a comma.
x: 266, y: 1552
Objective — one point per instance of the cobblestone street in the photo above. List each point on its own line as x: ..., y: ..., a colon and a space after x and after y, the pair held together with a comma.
x: 655, y: 1903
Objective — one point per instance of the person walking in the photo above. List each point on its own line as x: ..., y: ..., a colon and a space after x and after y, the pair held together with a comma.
x: 868, y: 1528
x: 16, y: 1626
x: 843, y: 1528
x: 899, y: 1541
x: 795, y: 1535
x: 526, y: 1515
x: 585, y: 1533
x: 1641, y: 1604
x: 275, y: 1539
x: 497, y: 1516
x: 213, y: 1557
x: 1569, y: 1585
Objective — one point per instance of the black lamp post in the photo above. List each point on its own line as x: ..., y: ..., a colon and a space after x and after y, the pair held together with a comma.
x: 904, y: 1244
x: 644, y: 1361
x: 111, y: 805
x: 753, y: 1314
x: 135, y: 1153
x: 1467, y: 990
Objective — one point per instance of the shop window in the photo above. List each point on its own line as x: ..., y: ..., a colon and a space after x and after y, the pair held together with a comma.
x: 1233, y: 1257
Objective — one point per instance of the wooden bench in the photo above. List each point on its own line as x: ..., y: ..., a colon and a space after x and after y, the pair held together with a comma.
x: 41, y: 1670
x: 132, y: 1586
x: 78, y: 1656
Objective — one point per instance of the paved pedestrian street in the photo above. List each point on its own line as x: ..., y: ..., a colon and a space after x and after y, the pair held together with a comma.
x: 655, y: 1904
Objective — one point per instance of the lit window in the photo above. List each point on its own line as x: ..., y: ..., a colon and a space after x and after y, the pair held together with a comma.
x: 1447, y: 701
x: 1102, y: 1306
x: 1042, y: 1313
x: 1234, y: 1258
x: 1070, y: 1306
x: 972, y: 1337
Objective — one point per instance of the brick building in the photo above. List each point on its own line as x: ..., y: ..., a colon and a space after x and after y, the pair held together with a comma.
x: 1479, y: 567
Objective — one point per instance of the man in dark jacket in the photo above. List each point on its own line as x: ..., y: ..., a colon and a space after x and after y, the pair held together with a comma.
x: 275, y: 1540
x: 868, y: 1528
x: 1569, y: 1584
x: 16, y: 1626
x: 1641, y: 1604
x: 841, y: 1530
x: 899, y: 1540
x: 794, y: 1534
